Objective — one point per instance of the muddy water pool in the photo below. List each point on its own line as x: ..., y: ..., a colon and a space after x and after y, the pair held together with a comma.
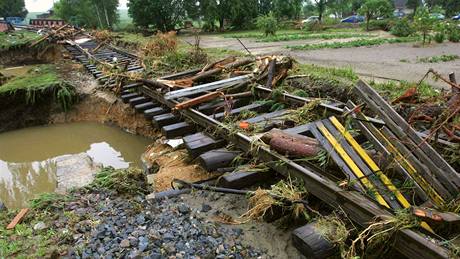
x: 28, y: 163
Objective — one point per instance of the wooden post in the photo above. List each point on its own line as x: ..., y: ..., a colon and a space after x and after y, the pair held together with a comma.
x: 311, y: 243
x: 453, y: 80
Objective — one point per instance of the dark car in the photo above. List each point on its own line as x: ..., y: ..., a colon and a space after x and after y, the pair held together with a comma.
x: 456, y: 17
x: 353, y: 19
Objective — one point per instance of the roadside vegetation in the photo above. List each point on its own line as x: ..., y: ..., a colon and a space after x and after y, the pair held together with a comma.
x: 354, y: 43
x: 16, y: 39
x: 437, y: 59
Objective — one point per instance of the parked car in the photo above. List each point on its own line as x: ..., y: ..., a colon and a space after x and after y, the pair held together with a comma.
x: 456, y: 17
x: 353, y: 19
x: 438, y: 16
x: 311, y: 19
x: 399, y: 14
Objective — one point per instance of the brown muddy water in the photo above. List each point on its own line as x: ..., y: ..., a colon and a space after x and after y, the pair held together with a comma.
x: 16, y: 71
x: 26, y: 165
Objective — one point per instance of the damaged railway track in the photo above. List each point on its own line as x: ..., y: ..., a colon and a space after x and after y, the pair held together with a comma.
x: 210, y: 114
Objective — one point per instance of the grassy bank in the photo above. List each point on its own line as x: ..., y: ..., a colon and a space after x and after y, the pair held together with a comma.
x: 40, y: 79
x: 330, y: 80
x: 353, y: 43
x: 16, y: 39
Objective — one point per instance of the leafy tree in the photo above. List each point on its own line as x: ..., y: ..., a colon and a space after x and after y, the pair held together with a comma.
x: 321, y: 7
x: 88, y: 13
x: 164, y: 15
x: 290, y: 9
x: 12, y: 8
x: 452, y: 7
x: 413, y: 4
x: 423, y: 22
x: 375, y: 8
x: 267, y: 23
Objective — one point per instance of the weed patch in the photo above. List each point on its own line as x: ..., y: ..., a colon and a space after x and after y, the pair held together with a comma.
x: 125, y: 181
x: 437, y: 59
x: 353, y: 44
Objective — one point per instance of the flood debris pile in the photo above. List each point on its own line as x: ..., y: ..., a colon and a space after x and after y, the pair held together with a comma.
x: 354, y: 166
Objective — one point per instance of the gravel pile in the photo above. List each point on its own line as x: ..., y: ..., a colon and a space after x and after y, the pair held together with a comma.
x: 105, y: 225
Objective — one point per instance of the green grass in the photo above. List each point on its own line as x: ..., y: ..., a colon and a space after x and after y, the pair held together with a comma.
x: 393, y: 89
x: 38, y: 81
x: 437, y: 59
x: 39, y: 77
x: 16, y: 39
x: 353, y: 44
x: 128, y: 37
x: 299, y: 35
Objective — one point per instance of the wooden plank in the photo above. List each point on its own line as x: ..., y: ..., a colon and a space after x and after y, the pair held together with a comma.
x: 403, y: 130
x: 129, y: 96
x: 213, y: 107
x: 138, y: 100
x: 202, y: 145
x: 148, y: 114
x: 396, y: 159
x: 413, y: 153
x: 301, y: 129
x: 371, y: 175
x: 311, y: 243
x: 144, y: 106
x: 164, y: 119
x: 217, y: 158
x: 243, y: 179
x: 337, y: 159
x: 268, y: 116
x: 250, y: 107
x: 178, y: 129
x: 18, y: 218
x: 206, y: 87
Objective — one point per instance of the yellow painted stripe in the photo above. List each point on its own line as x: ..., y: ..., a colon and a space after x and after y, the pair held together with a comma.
x: 372, y: 165
x: 430, y: 191
x: 354, y: 168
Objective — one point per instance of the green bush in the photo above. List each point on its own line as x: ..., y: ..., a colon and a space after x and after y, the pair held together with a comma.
x: 453, y: 33
x: 313, y: 26
x: 439, y: 37
x: 267, y: 23
x: 374, y: 25
x: 402, y: 28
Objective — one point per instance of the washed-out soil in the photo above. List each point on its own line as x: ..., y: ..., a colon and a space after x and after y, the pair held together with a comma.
x: 51, y: 53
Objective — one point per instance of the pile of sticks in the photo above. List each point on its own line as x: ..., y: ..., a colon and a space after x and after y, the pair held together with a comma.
x: 58, y: 34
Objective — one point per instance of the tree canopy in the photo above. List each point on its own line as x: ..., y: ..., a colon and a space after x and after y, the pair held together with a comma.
x: 375, y: 8
x: 88, y: 13
x: 12, y: 8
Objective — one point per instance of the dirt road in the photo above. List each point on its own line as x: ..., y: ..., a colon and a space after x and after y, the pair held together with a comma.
x: 396, y: 61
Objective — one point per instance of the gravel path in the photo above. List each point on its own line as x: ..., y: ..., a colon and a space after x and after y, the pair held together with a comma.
x: 376, y: 61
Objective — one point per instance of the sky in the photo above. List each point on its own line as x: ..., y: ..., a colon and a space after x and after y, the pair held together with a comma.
x: 45, y: 5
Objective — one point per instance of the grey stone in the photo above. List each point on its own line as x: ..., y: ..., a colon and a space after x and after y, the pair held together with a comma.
x: 205, y: 207
x: 39, y: 226
x: 184, y: 209
x: 125, y: 243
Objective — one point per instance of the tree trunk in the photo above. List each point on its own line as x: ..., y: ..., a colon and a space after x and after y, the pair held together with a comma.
x: 221, y: 23
x: 107, y: 17
x: 291, y: 144
x: 98, y: 15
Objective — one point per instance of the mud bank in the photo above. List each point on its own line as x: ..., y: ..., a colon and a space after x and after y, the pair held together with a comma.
x: 25, y: 55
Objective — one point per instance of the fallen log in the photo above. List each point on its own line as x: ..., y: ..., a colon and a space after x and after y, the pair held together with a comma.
x: 291, y: 144
x: 18, y: 218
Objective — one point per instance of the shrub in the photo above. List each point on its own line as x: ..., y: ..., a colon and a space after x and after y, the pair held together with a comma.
x: 453, y: 32
x: 439, y: 37
x: 162, y: 43
x: 402, y: 28
x: 267, y: 23
x: 384, y: 25
x: 313, y: 26
x: 424, y: 22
